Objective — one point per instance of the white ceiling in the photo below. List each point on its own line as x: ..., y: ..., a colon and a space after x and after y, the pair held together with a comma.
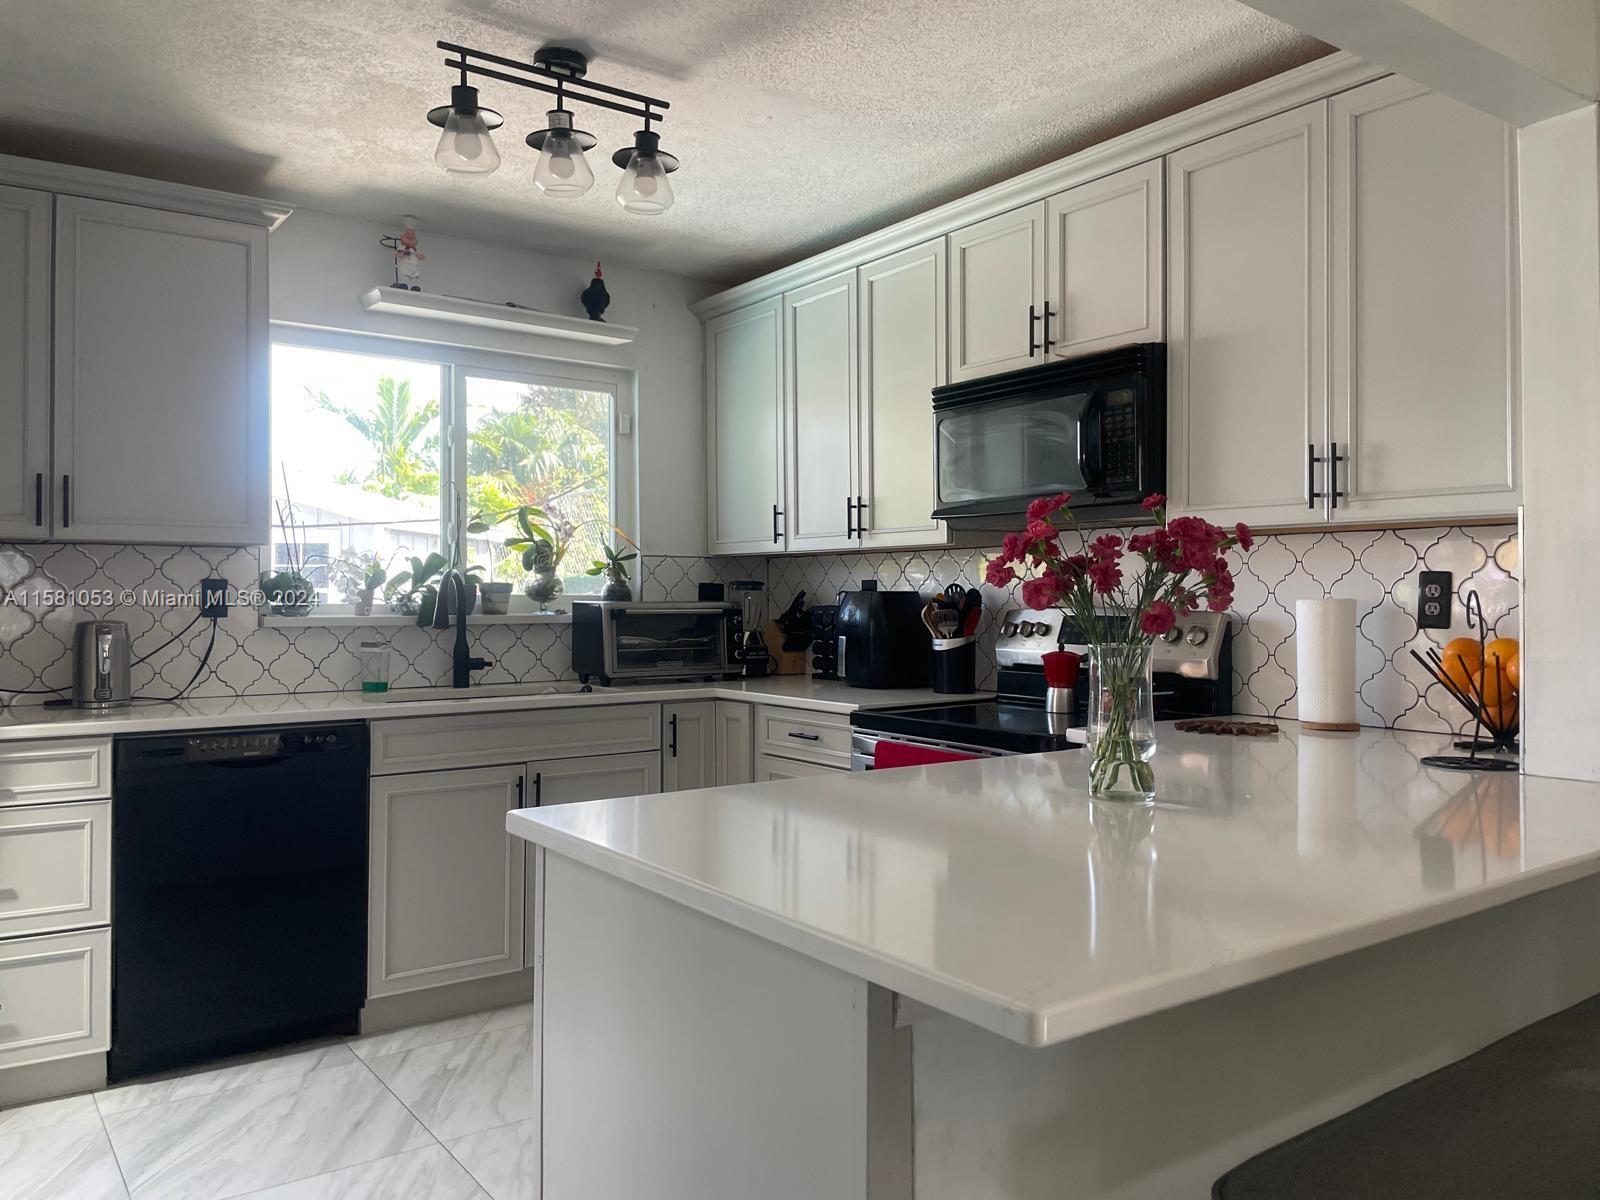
x: 800, y: 125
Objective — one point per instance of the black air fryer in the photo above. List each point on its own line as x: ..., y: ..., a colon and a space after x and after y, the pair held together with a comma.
x: 882, y: 640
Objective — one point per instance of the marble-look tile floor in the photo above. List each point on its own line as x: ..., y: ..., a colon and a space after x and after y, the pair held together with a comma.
x: 441, y: 1111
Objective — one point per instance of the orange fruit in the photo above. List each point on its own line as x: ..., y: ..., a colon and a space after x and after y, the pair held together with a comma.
x: 1501, y: 717
x: 1494, y: 688
x: 1501, y: 651
x: 1462, y: 663
x: 1513, y: 670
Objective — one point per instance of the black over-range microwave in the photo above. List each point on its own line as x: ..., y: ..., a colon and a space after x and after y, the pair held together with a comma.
x: 1094, y: 426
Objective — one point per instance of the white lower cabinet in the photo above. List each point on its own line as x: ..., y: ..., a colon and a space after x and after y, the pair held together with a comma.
x: 55, y: 867
x: 822, y: 738
x: 770, y: 767
x: 445, y: 880
x: 569, y: 780
x: 735, y: 742
x: 55, y: 996
x: 689, y: 755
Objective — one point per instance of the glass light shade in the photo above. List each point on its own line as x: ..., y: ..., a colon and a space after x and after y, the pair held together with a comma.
x: 563, y: 170
x: 643, y: 189
x: 465, y: 147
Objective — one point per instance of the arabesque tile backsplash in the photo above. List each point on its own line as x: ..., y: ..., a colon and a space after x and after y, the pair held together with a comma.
x: 45, y: 589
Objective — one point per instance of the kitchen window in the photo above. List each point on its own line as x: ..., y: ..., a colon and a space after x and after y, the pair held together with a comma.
x: 381, y: 449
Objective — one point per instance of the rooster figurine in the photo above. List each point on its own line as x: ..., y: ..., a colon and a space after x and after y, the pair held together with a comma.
x: 595, y: 297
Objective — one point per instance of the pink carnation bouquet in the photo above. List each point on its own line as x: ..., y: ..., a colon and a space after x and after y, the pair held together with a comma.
x: 1124, y: 592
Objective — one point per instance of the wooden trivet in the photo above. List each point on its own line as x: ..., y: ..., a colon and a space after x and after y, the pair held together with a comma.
x: 1226, y: 728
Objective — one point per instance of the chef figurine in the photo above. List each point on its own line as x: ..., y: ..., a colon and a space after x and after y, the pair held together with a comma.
x: 407, y: 258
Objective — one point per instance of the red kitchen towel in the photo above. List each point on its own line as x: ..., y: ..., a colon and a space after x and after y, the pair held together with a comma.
x: 889, y: 755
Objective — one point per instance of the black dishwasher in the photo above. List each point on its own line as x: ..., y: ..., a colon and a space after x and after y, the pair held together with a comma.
x: 239, y: 892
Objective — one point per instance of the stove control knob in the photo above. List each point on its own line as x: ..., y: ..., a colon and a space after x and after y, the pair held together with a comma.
x: 1197, y: 636
x: 1025, y: 629
x: 1172, y: 635
x: 1009, y: 629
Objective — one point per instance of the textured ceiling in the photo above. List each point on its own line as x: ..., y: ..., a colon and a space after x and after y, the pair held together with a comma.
x: 800, y: 125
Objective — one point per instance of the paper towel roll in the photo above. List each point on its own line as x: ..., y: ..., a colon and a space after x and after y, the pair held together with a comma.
x: 1325, y: 661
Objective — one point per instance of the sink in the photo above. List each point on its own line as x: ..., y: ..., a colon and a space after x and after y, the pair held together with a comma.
x: 480, y: 691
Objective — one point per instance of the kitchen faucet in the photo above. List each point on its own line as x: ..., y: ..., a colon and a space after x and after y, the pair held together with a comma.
x: 452, y: 600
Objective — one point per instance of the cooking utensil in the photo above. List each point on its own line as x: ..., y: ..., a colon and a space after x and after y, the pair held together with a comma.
x: 971, y: 611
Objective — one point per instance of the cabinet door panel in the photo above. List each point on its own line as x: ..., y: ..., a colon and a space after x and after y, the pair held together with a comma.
x: 689, y: 757
x: 819, y: 350
x: 445, y: 879
x: 1248, y: 346
x: 902, y: 360
x: 161, y: 407
x: 1105, y: 262
x: 996, y: 273
x: 567, y: 781
x: 744, y: 407
x: 734, y: 742
x: 1424, y: 368
x: 24, y: 363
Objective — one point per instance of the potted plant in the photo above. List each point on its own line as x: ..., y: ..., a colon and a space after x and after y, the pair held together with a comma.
x: 417, y: 590
x: 541, y: 541
x: 289, y: 592
x: 1124, y: 593
x: 614, y: 566
x: 358, y: 576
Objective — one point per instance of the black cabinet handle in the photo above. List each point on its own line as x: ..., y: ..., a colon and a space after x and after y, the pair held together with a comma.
x: 1312, y: 495
x: 1334, y: 459
x: 673, y: 723
x: 66, y: 501
x: 1033, y: 319
x: 519, y: 791
x: 776, y: 513
x: 1048, y: 340
x: 849, y: 518
x: 861, y: 521
x: 806, y: 737
x: 38, y: 498
x: 538, y: 788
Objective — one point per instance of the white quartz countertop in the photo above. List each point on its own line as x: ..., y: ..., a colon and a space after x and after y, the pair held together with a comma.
x: 998, y: 892
x: 800, y: 691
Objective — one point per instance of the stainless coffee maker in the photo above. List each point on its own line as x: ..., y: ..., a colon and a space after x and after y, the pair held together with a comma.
x: 101, y: 661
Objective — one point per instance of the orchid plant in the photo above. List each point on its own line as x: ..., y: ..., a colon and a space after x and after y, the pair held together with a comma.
x: 1123, y: 592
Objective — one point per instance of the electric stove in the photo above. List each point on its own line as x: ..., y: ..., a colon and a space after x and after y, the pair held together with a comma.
x: 1192, y: 668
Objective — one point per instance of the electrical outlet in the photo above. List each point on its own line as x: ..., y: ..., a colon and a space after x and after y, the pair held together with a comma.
x: 214, y: 598
x: 1435, y: 591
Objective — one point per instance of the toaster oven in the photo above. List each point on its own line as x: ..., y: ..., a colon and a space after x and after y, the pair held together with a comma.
x: 629, y: 641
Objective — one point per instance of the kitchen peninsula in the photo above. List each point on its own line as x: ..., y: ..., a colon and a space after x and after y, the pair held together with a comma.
x: 969, y: 981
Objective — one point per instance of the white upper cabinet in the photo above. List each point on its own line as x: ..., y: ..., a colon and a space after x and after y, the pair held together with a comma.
x: 1424, y: 314
x: 744, y: 406
x: 1104, y: 263
x: 24, y: 363
x: 997, y: 294
x: 1247, y: 358
x: 161, y: 376
x: 819, y: 352
x: 902, y: 359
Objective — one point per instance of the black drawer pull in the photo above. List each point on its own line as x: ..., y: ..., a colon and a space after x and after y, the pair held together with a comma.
x: 805, y: 737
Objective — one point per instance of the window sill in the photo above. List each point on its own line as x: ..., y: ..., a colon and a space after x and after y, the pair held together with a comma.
x: 389, y: 620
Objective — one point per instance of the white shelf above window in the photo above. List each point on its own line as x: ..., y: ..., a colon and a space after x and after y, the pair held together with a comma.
x: 488, y: 314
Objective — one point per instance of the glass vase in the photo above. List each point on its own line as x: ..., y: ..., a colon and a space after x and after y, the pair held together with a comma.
x: 1121, y: 723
